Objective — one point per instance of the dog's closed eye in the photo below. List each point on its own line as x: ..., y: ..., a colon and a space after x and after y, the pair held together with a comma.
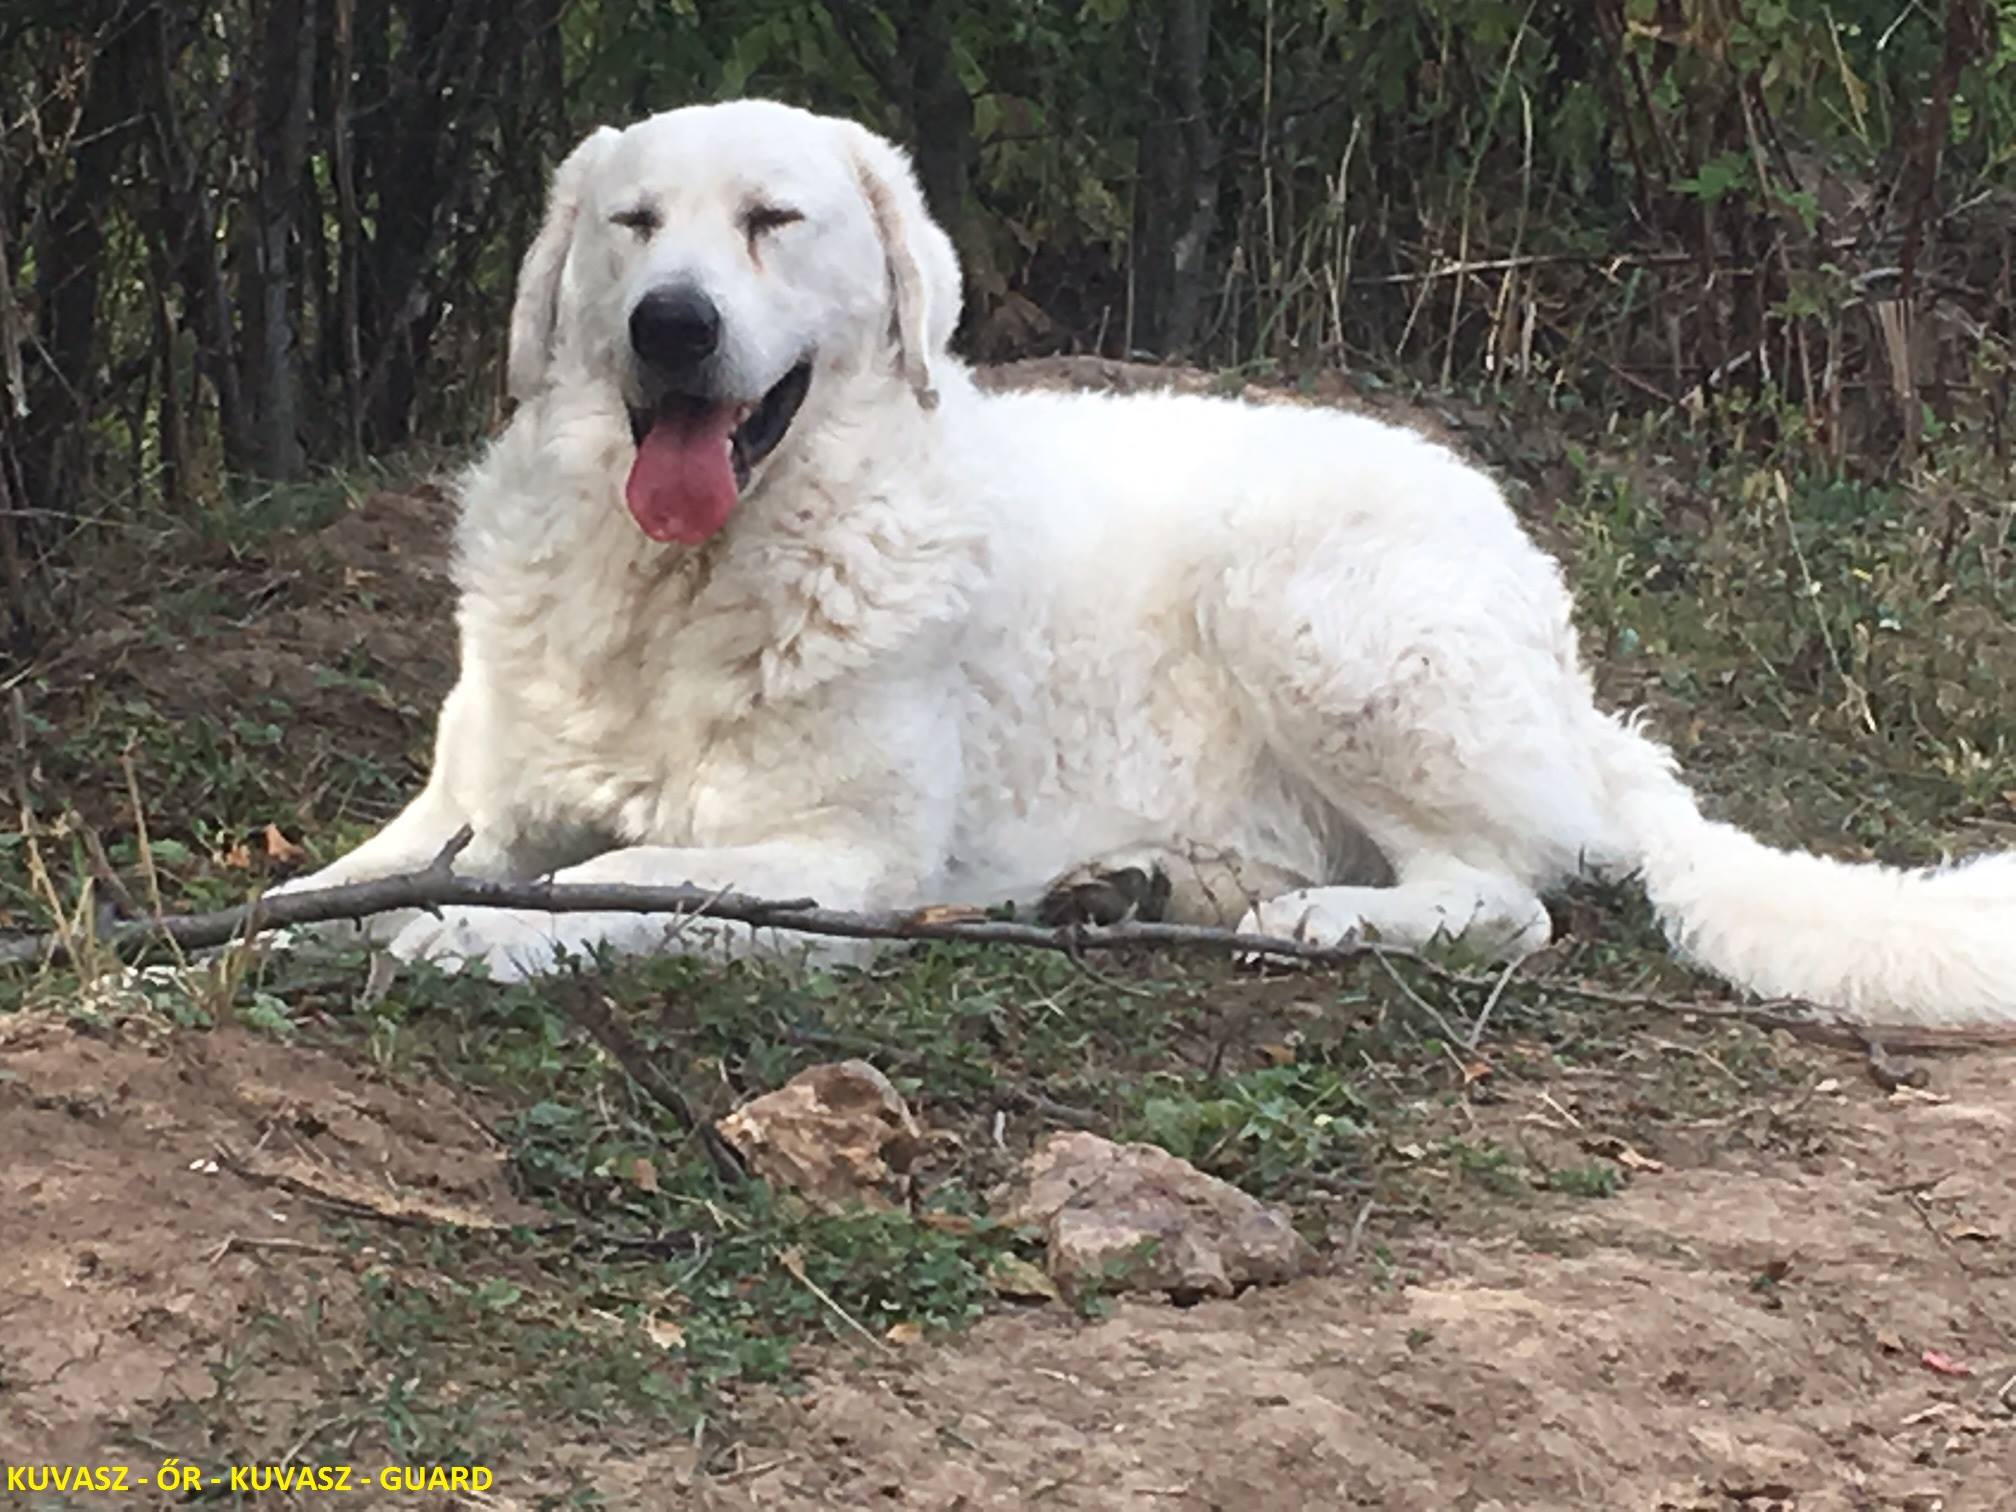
x: 643, y: 219
x: 759, y: 219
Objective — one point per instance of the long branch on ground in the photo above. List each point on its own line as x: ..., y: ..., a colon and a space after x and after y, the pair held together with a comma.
x: 436, y: 886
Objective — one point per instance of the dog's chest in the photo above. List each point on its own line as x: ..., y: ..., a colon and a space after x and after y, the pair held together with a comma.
x: 612, y: 702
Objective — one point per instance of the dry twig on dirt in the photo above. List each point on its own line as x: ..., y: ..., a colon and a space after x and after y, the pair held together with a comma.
x: 436, y: 886
x: 594, y: 1015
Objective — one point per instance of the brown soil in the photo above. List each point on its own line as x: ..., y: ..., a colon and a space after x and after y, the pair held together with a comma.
x: 1631, y: 1353
x: 165, y: 1189
x: 1747, y: 1327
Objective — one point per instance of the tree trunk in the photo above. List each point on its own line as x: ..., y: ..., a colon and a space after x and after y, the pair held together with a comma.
x: 187, y: 226
x: 1177, y: 190
x: 63, y: 385
x: 286, y: 90
x: 942, y: 114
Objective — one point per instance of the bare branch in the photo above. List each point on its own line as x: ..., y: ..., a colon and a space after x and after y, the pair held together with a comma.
x: 435, y: 887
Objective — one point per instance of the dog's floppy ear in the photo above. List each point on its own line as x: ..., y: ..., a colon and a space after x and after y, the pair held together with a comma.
x: 923, y: 268
x: 537, y: 310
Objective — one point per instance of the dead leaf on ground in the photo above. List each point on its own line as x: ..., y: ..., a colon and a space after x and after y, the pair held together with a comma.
x: 643, y: 1175
x: 1910, y: 1094
x: 664, y: 1333
x: 1971, y: 1231
x: 1944, y: 1364
x: 905, y: 1333
x: 1017, y: 1280
x: 280, y: 848
x: 1612, y: 1148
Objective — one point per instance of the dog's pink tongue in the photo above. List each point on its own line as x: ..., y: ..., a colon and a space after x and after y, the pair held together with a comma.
x: 682, y: 485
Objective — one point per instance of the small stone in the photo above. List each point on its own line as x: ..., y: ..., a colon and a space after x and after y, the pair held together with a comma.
x: 1136, y: 1218
x: 839, y: 1135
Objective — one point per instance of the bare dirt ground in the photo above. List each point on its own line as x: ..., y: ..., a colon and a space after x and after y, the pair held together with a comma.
x: 1696, y: 1271
x: 1734, y: 1333
x: 1773, y: 1319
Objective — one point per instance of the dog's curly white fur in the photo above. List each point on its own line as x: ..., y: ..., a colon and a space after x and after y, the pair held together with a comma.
x: 949, y: 646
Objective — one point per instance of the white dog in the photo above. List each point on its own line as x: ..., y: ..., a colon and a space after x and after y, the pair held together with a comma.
x: 759, y: 592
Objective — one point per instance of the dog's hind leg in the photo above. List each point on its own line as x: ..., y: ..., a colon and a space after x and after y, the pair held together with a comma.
x: 1428, y: 692
x: 1192, y: 883
x: 1447, y: 904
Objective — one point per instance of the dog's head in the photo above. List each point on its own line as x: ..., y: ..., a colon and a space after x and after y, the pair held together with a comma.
x: 716, y: 265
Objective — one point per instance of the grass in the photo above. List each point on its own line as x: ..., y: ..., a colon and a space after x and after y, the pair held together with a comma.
x: 1832, y: 657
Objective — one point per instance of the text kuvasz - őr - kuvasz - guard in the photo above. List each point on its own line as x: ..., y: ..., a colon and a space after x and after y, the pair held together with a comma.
x: 758, y: 592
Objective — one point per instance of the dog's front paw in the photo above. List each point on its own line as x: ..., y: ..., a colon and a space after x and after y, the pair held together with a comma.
x: 512, y: 945
x: 1305, y: 919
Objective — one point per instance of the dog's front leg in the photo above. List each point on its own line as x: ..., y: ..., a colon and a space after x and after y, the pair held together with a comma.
x: 514, y: 944
x: 463, y: 790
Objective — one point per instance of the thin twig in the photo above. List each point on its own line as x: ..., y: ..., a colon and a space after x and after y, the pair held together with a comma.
x: 595, y: 1016
x: 1484, y: 1013
x: 107, y: 877
x: 1449, y: 1035
x: 436, y: 887
x: 1357, y: 1236
x: 794, y: 1265
x: 254, y: 1242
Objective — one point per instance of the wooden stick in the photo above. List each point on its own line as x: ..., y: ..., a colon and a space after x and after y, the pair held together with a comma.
x: 436, y: 886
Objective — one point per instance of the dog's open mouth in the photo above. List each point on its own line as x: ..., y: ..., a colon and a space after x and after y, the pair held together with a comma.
x: 695, y: 457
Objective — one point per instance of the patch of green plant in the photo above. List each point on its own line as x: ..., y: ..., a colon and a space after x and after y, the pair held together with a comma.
x: 1599, y: 1178
x: 1262, y: 1128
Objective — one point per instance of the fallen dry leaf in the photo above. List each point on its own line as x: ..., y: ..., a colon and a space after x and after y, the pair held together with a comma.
x: 664, y: 1333
x: 1889, y: 1342
x: 1019, y: 1281
x: 1965, y: 1230
x: 280, y: 848
x: 643, y: 1175
x: 1611, y: 1147
x: 1910, y: 1094
x: 238, y: 858
x: 1938, y: 1360
x: 905, y: 1333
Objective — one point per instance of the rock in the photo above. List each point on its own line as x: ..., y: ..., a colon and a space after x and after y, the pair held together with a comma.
x: 839, y: 1135
x: 1136, y: 1218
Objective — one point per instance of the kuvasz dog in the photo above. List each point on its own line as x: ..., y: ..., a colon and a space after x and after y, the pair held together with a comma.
x: 759, y: 592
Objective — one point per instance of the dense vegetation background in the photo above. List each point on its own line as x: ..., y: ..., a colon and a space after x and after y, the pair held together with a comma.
x: 242, y: 239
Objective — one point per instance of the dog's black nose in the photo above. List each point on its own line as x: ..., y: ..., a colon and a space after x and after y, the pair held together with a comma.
x: 675, y: 329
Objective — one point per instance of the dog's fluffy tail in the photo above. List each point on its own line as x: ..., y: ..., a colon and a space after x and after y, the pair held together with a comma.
x: 1880, y: 944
